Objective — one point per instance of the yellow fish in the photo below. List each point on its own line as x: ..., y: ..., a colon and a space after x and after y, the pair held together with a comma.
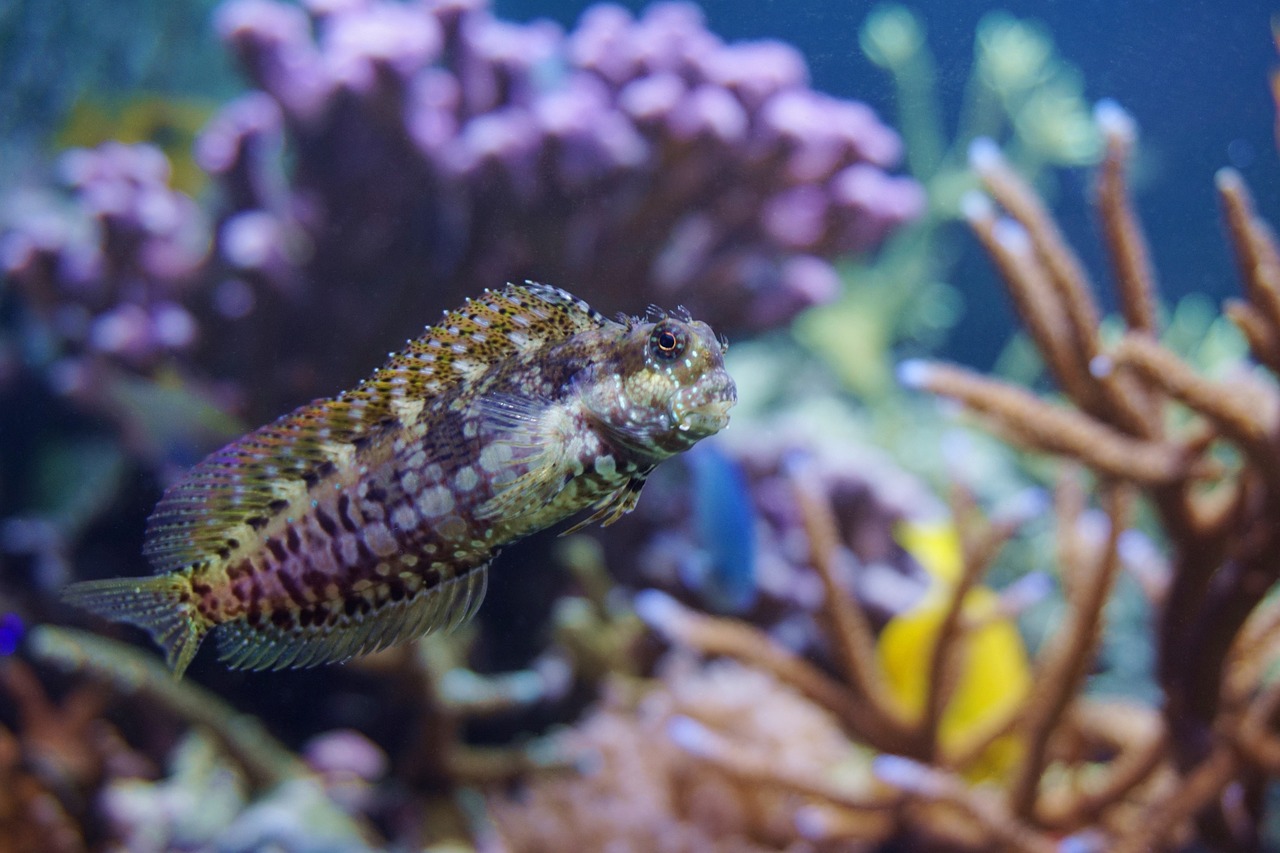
x: 994, y: 674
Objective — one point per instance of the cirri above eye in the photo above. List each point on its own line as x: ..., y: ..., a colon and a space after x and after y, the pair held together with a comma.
x: 667, y: 343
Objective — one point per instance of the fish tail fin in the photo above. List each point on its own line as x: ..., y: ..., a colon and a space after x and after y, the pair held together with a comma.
x: 160, y: 605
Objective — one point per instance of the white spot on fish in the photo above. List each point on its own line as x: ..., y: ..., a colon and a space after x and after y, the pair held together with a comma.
x: 407, y: 410
x: 606, y: 466
x: 495, y: 456
x: 404, y: 518
x: 380, y: 540
x: 467, y: 479
x: 435, y: 502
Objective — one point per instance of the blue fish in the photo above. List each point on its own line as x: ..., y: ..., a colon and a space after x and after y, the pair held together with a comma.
x: 12, y: 630
x: 724, y: 572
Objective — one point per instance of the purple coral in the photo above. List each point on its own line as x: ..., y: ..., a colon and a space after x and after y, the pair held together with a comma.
x: 438, y: 150
x: 107, y: 264
x: 395, y: 158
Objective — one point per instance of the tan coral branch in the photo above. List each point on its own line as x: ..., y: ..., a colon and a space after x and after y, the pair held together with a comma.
x: 743, y: 762
x: 1163, y: 817
x: 1034, y: 298
x: 1246, y: 413
x: 849, y: 629
x: 1255, y: 250
x: 1254, y: 652
x: 1258, y: 741
x: 1065, y: 270
x: 950, y: 637
x: 1263, y: 338
x: 931, y: 785
x: 1126, y: 245
x: 1104, y: 395
x: 712, y: 635
x: 1063, y: 667
x: 1137, y: 734
x: 1029, y: 421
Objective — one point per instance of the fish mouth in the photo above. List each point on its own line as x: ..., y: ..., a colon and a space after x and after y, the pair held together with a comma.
x: 706, y: 420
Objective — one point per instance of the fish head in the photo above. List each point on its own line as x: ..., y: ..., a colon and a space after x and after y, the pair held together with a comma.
x: 663, y: 387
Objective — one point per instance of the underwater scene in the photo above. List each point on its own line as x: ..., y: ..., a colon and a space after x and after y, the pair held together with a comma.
x: 548, y: 425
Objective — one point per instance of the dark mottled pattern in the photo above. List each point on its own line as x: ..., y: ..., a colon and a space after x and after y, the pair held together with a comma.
x: 360, y: 520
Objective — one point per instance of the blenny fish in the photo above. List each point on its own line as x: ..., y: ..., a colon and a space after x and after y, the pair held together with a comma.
x: 370, y: 518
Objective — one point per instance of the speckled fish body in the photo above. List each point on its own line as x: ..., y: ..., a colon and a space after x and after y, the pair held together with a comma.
x: 369, y: 518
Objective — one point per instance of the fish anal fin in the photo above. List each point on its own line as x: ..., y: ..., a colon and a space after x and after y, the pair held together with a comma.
x: 159, y: 605
x: 268, y: 646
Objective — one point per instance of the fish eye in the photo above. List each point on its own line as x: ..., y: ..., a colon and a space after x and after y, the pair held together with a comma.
x: 667, y: 343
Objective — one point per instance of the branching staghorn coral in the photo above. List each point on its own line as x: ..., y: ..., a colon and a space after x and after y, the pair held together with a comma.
x: 1212, y: 479
x: 1085, y: 764
x: 1108, y: 774
x: 933, y: 785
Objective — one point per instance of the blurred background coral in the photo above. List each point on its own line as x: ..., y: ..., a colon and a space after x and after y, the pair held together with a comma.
x: 857, y: 620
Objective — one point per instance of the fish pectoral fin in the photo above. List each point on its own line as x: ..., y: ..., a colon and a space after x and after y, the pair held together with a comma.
x: 612, y: 506
x: 527, y: 493
x: 513, y: 419
x: 536, y: 436
x: 268, y: 646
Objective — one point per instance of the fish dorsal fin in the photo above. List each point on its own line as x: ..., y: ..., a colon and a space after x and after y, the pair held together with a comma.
x: 235, y: 491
